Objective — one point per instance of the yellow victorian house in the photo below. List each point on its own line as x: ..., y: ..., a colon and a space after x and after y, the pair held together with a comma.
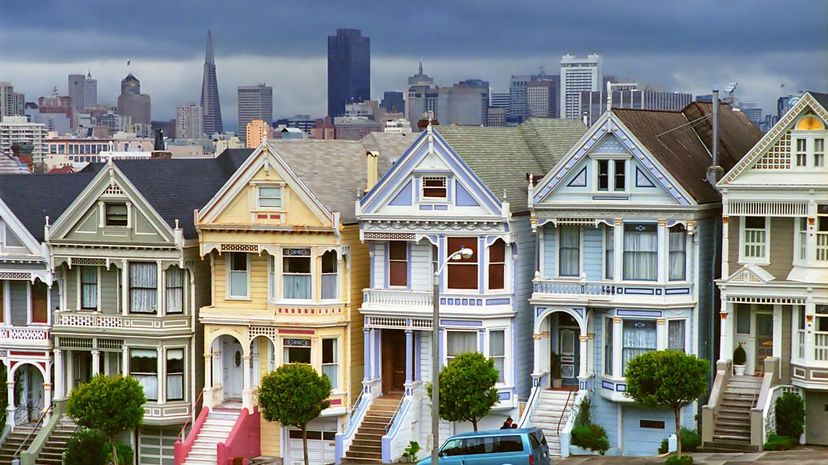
x: 288, y: 270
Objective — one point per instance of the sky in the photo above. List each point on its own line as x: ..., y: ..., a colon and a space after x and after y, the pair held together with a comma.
x: 768, y: 47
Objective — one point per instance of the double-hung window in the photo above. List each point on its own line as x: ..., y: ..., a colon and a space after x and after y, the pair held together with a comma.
x: 821, y: 333
x: 329, y: 281
x: 89, y: 287
x: 239, y: 275
x: 143, y: 287
x: 296, y: 274
x: 175, y: 290
x: 640, y: 252
x: 398, y: 263
x: 296, y: 350
x: 822, y: 233
x: 116, y: 214
x: 143, y: 366
x: 270, y: 197
x: 459, y: 342
x: 609, y: 252
x: 569, y: 252
x: 435, y: 187
x: 608, y: 346
x: 497, y: 351
x: 801, y: 153
x: 755, y: 238
x: 675, y: 335
x: 175, y: 374
x: 802, y: 237
x: 497, y: 265
x: 639, y: 337
x: 678, y: 253
x: 611, y: 175
x: 330, y: 360
x: 819, y: 153
x: 462, y: 272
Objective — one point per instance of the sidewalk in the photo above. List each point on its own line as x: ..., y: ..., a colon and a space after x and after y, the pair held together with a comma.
x: 808, y: 455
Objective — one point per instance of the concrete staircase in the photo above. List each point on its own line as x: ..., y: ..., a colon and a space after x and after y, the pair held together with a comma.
x: 367, y: 444
x: 13, y: 442
x: 547, y: 414
x: 52, y: 452
x: 732, y: 430
x: 215, y: 429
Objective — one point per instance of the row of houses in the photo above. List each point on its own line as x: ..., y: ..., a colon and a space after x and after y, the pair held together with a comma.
x: 590, y: 246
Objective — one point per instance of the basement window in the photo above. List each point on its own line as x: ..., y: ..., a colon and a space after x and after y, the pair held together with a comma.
x: 652, y: 424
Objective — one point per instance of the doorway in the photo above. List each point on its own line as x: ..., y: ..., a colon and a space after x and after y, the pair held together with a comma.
x: 30, y: 394
x: 568, y: 348
x: 232, y: 361
x: 81, y: 367
x: 393, y: 360
x: 764, y: 339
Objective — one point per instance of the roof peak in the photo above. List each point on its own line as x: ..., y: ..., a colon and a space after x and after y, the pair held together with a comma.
x: 209, y: 58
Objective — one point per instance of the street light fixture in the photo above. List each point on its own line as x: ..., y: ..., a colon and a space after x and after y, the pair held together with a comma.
x: 463, y: 254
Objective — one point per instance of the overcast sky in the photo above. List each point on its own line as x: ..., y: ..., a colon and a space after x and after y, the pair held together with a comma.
x: 676, y: 45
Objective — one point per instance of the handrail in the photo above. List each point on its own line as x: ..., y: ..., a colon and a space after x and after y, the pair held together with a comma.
x: 37, y: 425
x: 394, y: 417
x: 564, y: 411
x: 527, y: 412
x: 187, y: 421
x: 354, y: 406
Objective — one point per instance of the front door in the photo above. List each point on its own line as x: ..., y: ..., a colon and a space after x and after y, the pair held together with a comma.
x: 764, y: 340
x: 231, y: 362
x: 568, y: 348
x: 29, y: 383
x: 393, y: 360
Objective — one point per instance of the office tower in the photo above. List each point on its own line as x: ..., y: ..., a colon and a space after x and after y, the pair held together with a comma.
x: 210, y: 106
x: 420, y: 97
x: 753, y: 112
x: 349, y: 70
x: 464, y: 103
x: 83, y: 90
x: 628, y: 95
x: 542, y: 98
x: 518, y: 107
x: 11, y: 102
x: 257, y: 131
x: 578, y: 75
x: 500, y: 100
x: 17, y: 130
x: 133, y: 103
x: 496, y: 116
x: 188, y: 122
x: 393, y: 102
x: 254, y: 103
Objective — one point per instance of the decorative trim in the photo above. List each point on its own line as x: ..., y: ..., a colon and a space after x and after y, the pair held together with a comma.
x: 250, y: 248
x: 381, y: 236
x: 580, y: 179
x: 760, y: 208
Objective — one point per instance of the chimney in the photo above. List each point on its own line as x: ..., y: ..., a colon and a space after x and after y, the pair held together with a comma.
x: 372, y: 169
x: 714, y: 172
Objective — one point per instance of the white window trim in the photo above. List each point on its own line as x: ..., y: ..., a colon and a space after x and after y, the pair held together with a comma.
x: 449, y: 180
x: 313, y: 272
x: 507, y: 252
x: 445, y: 358
x: 338, y: 356
x: 184, y: 374
x: 605, y: 231
x: 755, y: 260
x: 660, y: 252
x: 580, y: 253
x: 79, y: 289
x: 388, y: 284
x: 481, y: 263
x: 340, y: 260
x: 810, y: 138
x: 688, y: 244
x: 256, y: 196
x: 687, y: 330
x: 507, y: 356
x: 611, y: 188
x: 228, y: 262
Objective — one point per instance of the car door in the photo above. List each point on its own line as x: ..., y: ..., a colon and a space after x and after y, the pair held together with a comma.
x: 453, y: 452
x: 497, y: 450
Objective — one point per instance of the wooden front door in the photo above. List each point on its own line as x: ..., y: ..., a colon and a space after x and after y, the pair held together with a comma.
x: 764, y: 340
x: 568, y: 349
x: 393, y: 360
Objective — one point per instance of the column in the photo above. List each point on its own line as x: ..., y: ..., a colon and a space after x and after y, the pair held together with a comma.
x: 537, y: 372
x: 160, y: 301
x: 247, y: 392
x: 366, y: 355
x: 725, y: 246
x: 409, y: 356
x: 617, y: 347
x: 60, y: 376
x: 541, y: 250
x: 584, y: 357
x: 124, y: 287
x: 125, y: 361
x: 727, y: 318
x: 10, y: 396
x: 96, y: 363
x: 662, y: 250
x: 159, y: 358
x: 810, y: 343
x: 618, y: 250
x: 811, y: 237
x: 208, y: 381
x: 47, y: 389
x: 777, y: 332
x: 661, y: 334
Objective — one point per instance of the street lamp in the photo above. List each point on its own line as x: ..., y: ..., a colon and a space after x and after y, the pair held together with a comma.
x: 463, y: 254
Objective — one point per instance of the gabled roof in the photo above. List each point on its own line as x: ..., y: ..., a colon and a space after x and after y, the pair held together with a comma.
x: 11, y: 165
x: 821, y: 98
x: 502, y: 156
x: 681, y: 141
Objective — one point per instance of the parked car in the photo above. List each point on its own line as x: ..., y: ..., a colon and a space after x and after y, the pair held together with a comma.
x: 526, y: 446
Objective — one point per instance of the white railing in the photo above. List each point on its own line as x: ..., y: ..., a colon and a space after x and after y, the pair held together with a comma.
x: 393, y: 297
x: 820, y: 346
x: 822, y: 246
x: 566, y: 430
x: 398, y: 432
x: 89, y: 320
x: 611, y: 288
x: 769, y: 409
x: 342, y: 441
x: 25, y: 334
x: 579, y: 288
x: 529, y: 410
x: 133, y: 322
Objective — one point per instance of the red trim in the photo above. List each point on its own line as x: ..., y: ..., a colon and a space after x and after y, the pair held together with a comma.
x: 336, y: 401
x: 29, y: 354
x: 182, y: 450
x: 297, y: 331
x: 244, y: 439
x: 12, y: 363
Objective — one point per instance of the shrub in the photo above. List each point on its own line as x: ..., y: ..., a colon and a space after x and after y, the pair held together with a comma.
x: 87, y: 447
x: 790, y: 416
x: 777, y: 442
x: 412, y: 452
x: 583, y: 413
x: 679, y: 460
x: 592, y: 437
x: 739, y: 356
x: 690, y: 442
x: 124, y: 453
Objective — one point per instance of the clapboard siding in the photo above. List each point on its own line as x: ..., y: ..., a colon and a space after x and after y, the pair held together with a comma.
x: 524, y: 267
x: 593, y: 253
x: 421, y: 273
x: 550, y: 252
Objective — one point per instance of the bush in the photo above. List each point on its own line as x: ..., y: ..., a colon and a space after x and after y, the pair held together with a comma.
x: 412, y: 452
x: 690, y: 442
x: 790, y: 416
x: 124, y: 453
x: 87, y: 447
x: 679, y: 460
x: 739, y: 356
x: 583, y: 413
x: 777, y: 442
x: 592, y: 437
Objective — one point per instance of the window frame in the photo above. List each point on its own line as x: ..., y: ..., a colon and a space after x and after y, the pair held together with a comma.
x: 491, y: 263
x: 624, y: 252
x: 147, y: 374
x: 106, y: 213
x: 685, y: 342
x: 624, y: 347
x: 259, y: 197
x: 97, y: 284
x: 323, y: 274
x: 609, y: 253
x: 153, y: 288
x: 448, y: 357
x: 560, y: 231
x: 389, y: 261
x: 763, y: 260
x: 335, y: 363
x: 470, y: 242
x: 670, y: 252
x: 229, y: 267
x: 612, y: 174
x: 309, y: 257
x: 167, y: 373
x: 286, y: 347
x: 167, y: 288
x: 501, y: 373
x: 445, y: 187
x: 609, y: 347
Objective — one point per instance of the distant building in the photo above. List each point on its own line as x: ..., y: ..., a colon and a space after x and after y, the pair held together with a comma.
x: 393, y: 102
x: 397, y: 126
x: 224, y: 142
x: 83, y: 90
x: 421, y: 97
x: 366, y: 109
x: 188, y: 122
x: 255, y: 132
x: 210, y: 105
x: 323, y: 128
x: 17, y: 130
x: 55, y: 112
x: 542, y: 98
x: 349, y: 70
x: 292, y: 134
x: 303, y: 122
x: 784, y: 103
x: 578, y: 75
x: 628, y: 95
x: 519, y: 98
x: 464, y: 103
x: 500, y: 100
x: 133, y: 103
x: 254, y: 103
x: 11, y: 102
x: 167, y: 127
x: 355, y: 128
x: 753, y: 112
x: 496, y: 116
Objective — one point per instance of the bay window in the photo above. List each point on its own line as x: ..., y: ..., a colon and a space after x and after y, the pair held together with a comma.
x: 462, y: 273
x: 143, y: 287
x: 569, y: 252
x: 755, y: 237
x: 175, y: 290
x: 239, y: 271
x: 675, y: 335
x: 296, y: 274
x: 330, y: 357
x: 497, y: 351
x: 497, y: 265
x: 608, y: 346
x: 89, y: 287
x: 460, y: 342
x: 398, y: 263
x: 175, y: 374
x: 640, y: 252
x: 329, y: 275
x: 802, y: 237
x: 678, y: 253
x: 143, y: 366
x: 639, y: 337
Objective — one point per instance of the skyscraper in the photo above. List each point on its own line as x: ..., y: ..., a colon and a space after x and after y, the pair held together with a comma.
x: 254, y: 103
x: 83, y: 90
x: 210, y: 106
x: 133, y: 103
x: 11, y: 102
x: 188, y: 122
x: 542, y: 97
x: 578, y: 75
x: 349, y: 70
x: 629, y: 95
x: 393, y: 102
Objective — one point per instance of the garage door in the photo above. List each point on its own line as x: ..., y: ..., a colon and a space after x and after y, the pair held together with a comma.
x: 321, y: 444
x: 156, y: 445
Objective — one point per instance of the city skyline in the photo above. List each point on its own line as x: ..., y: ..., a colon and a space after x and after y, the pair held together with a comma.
x: 778, y: 50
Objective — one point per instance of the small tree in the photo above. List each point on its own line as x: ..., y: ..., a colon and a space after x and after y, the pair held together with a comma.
x: 667, y: 378
x: 294, y: 395
x: 110, y: 404
x: 790, y: 416
x: 467, y: 391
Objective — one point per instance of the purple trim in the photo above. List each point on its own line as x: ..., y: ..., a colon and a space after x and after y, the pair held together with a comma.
x: 408, y: 265
x: 403, y: 198
x: 504, y: 395
x: 440, y: 207
x: 409, y: 355
x: 426, y: 207
x: 441, y: 332
x: 417, y: 189
x: 377, y: 346
x: 579, y: 180
x: 449, y: 186
x: 472, y: 323
x: 441, y: 249
x: 464, y: 198
x: 514, y: 355
x: 648, y: 313
x: 607, y: 385
x: 502, y: 301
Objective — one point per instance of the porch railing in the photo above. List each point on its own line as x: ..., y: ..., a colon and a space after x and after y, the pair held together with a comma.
x: 392, y: 297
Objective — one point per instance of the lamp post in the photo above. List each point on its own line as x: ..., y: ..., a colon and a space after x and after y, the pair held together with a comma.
x: 463, y: 253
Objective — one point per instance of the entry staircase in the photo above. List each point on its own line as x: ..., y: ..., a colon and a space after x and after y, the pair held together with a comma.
x: 732, y: 427
x: 21, y: 436
x: 550, y: 415
x: 216, y: 429
x: 367, y: 444
x: 52, y: 451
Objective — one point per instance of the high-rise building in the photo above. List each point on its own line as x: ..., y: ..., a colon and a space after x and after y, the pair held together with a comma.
x: 464, y: 103
x: 421, y: 97
x: 210, y: 106
x: 496, y: 116
x: 133, y: 103
x: 254, y: 103
x: 83, y: 90
x: 500, y: 100
x: 578, y: 75
x: 518, y: 107
x: 17, y: 130
x: 628, y: 95
x: 302, y: 122
x: 349, y: 70
x: 188, y: 122
x: 257, y: 131
x: 542, y: 98
x: 11, y: 102
x: 393, y: 102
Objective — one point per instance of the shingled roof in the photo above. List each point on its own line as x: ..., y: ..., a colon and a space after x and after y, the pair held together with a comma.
x: 502, y: 157
x: 681, y: 141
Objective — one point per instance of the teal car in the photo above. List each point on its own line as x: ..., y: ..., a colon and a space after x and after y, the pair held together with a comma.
x: 525, y: 446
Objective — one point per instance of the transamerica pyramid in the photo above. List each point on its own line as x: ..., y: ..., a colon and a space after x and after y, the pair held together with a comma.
x: 210, y: 106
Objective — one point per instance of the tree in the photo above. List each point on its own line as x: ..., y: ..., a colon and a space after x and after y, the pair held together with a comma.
x: 110, y: 404
x: 294, y: 395
x: 467, y: 388
x: 667, y: 378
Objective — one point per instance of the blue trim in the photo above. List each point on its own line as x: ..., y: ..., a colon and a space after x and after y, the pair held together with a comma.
x: 501, y: 301
x: 641, y: 179
x: 404, y: 158
x: 403, y: 197
x: 580, y: 179
x: 646, y: 313
x: 677, y: 291
x: 426, y: 207
x: 417, y: 182
x: 464, y: 198
x: 607, y: 385
x: 440, y: 207
x: 441, y: 249
x: 470, y: 323
x: 450, y: 180
x: 504, y: 395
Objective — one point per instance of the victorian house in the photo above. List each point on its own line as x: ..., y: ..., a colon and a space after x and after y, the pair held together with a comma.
x: 287, y: 270
x: 454, y: 188
x: 626, y: 231
x: 774, y: 279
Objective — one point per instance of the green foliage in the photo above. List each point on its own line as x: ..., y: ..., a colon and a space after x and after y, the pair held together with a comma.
x: 690, y: 442
x: 667, y: 378
x: 790, y: 416
x: 467, y: 391
x: 583, y: 413
x: 555, y: 365
x: 111, y: 404
x: 592, y: 437
x: 87, y: 447
x: 412, y: 452
x: 125, y: 452
x: 777, y: 442
x: 679, y: 460
x: 739, y: 356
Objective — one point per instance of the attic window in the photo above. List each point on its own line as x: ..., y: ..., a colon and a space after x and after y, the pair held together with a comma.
x: 611, y: 175
x: 434, y: 187
x: 116, y: 214
x: 270, y: 197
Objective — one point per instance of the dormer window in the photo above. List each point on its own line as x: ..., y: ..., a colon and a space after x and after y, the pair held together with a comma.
x: 270, y: 197
x: 611, y: 175
x: 116, y: 214
x: 435, y: 187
